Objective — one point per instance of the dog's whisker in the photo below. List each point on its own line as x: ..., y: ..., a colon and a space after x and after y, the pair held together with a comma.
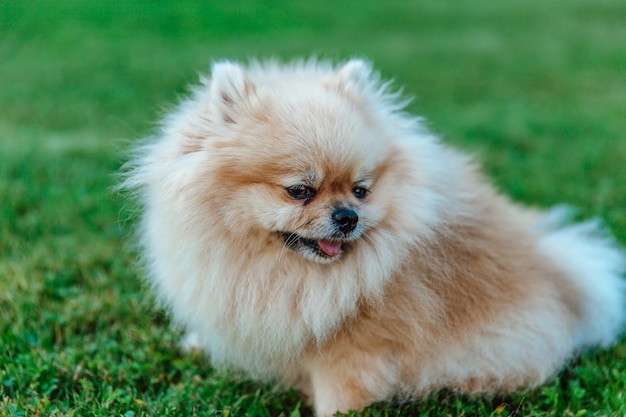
x: 288, y: 241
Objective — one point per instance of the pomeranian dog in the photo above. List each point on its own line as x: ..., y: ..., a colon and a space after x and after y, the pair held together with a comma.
x: 310, y: 233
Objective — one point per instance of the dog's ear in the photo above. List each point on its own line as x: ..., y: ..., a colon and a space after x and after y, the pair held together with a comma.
x: 355, y: 74
x: 231, y: 90
x: 353, y: 79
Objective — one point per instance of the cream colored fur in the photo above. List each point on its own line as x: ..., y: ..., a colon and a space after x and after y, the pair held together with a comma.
x: 442, y: 282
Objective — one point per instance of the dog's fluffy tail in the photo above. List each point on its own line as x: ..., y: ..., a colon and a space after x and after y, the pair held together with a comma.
x: 596, y: 265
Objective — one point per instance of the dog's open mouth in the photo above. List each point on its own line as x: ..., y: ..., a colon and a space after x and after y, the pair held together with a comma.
x: 327, y: 248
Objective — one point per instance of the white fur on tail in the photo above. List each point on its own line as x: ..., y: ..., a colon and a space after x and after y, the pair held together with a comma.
x: 596, y: 265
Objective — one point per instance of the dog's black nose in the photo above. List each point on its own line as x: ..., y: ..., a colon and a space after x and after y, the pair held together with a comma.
x: 345, y: 219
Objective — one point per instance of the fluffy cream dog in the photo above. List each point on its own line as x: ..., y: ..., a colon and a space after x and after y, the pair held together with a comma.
x: 310, y: 233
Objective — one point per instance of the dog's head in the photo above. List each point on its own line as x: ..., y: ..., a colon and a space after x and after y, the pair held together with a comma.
x: 298, y: 158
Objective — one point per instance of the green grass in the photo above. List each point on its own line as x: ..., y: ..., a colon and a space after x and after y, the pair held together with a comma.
x: 535, y: 89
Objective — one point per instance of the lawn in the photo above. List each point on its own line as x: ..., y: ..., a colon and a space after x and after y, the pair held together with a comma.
x: 537, y: 90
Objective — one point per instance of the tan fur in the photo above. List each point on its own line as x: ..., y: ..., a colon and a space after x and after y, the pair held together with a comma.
x: 441, y: 283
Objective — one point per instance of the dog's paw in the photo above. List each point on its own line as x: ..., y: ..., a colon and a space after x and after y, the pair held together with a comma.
x: 190, y: 343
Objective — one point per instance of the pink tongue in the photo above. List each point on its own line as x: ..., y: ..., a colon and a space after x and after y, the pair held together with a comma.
x: 330, y: 247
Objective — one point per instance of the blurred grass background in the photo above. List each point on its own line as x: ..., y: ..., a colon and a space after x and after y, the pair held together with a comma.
x: 536, y: 89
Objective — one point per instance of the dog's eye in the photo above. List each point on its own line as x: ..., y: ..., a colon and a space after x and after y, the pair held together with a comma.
x: 360, y: 192
x: 301, y: 191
